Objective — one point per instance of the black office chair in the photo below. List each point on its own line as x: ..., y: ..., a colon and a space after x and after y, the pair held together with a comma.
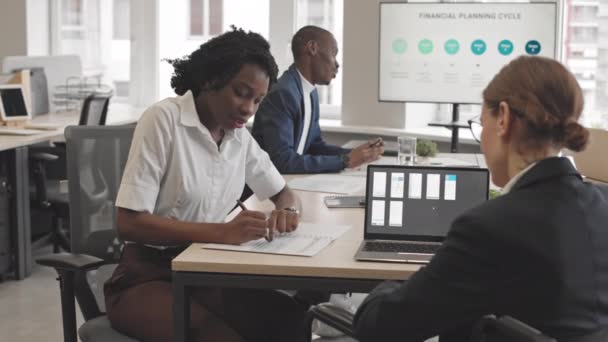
x: 332, y: 315
x: 94, y: 110
x: 96, y: 159
x: 488, y: 328
x: 47, y: 191
x: 506, y: 329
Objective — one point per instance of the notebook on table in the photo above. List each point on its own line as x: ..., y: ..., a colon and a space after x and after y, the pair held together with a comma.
x: 409, y: 209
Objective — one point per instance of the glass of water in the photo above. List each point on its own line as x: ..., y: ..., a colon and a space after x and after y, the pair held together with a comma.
x: 407, y: 150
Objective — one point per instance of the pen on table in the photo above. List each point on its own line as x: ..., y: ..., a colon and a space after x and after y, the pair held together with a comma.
x: 268, y: 236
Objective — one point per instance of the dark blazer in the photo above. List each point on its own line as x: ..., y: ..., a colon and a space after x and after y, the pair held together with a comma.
x: 277, y: 127
x: 538, y: 253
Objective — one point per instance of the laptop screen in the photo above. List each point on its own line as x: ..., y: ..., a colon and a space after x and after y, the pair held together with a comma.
x: 13, y: 103
x: 419, y: 202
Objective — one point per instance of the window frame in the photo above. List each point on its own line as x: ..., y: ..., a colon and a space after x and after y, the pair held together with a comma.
x: 327, y: 111
x: 206, y: 22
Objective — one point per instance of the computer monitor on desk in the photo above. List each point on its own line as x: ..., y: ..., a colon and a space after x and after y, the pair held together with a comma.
x: 13, y: 106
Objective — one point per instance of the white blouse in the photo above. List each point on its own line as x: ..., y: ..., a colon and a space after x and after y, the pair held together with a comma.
x: 175, y: 169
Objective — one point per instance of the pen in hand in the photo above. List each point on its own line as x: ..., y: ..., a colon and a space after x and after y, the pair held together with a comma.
x: 268, y: 235
x: 376, y: 143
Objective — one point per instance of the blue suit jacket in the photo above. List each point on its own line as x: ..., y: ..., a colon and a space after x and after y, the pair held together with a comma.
x: 277, y: 127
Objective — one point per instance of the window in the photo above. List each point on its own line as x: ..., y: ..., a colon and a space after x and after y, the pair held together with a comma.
x: 585, y: 27
x: 99, y: 31
x: 206, y: 17
x: 327, y: 14
x: 78, y: 31
x: 103, y: 45
x: 121, y: 20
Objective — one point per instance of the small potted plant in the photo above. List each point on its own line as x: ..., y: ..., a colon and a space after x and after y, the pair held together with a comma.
x: 494, y: 193
x: 425, y: 149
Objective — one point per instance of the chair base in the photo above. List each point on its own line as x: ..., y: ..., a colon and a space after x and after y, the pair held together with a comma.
x: 99, y: 330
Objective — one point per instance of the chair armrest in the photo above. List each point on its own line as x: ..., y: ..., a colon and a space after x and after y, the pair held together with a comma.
x: 333, y: 316
x: 70, y: 262
x: 42, y: 156
x: 508, y: 328
x: 72, y: 270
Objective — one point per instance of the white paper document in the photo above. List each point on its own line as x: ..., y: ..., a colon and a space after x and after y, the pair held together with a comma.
x: 329, y: 183
x: 308, y: 240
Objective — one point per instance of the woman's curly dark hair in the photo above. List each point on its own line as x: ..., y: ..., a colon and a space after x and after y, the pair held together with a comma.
x: 217, y: 61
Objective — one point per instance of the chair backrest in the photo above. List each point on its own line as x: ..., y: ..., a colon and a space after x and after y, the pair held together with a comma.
x: 593, y: 161
x: 506, y: 329
x: 96, y: 158
x: 94, y: 110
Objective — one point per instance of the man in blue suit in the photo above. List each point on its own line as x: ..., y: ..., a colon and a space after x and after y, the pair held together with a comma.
x: 286, y: 124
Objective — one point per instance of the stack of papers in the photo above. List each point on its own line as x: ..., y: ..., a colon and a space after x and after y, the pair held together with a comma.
x: 308, y: 240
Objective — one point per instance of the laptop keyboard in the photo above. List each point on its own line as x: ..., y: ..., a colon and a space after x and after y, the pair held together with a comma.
x: 400, y: 247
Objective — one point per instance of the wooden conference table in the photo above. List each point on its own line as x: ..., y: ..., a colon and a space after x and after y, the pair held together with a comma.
x: 14, y: 164
x: 333, y: 269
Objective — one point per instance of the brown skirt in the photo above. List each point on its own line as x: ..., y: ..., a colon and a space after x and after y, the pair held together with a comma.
x: 139, y: 304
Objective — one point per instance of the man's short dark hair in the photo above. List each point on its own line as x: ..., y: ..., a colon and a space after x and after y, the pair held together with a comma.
x: 303, y: 36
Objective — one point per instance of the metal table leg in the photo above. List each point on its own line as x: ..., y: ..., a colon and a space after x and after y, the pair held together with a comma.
x: 20, y: 211
x: 181, y: 308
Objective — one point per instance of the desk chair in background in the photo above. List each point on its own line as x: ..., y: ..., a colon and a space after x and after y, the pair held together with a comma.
x: 488, y: 329
x: 48, y: 194
x: 95, y: 247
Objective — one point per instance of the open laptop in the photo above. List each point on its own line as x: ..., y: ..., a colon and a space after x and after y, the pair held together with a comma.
x: 409, y: 209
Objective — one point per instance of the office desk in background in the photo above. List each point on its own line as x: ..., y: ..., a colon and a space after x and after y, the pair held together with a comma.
x: 14, y: 164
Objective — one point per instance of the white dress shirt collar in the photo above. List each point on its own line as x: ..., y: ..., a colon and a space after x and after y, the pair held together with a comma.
x: 507, y: 188
x: 307, y: 87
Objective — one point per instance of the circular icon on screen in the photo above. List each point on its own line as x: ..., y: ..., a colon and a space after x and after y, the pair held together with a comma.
x: 451, y: 46
x: 399, y: 46
x: 478, y: 47
x: 425, y: 46
x: 505, y: 47
x: 533, y: 47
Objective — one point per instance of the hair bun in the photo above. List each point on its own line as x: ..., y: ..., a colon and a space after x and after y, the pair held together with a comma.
x: 575, y: 136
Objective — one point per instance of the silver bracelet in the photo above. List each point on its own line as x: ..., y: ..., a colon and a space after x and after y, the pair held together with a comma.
x: 292, y: 209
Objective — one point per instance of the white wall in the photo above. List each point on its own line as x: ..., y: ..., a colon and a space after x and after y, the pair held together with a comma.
x: 37, y: 28
x: 13, y: 28
x: 360, y: 104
